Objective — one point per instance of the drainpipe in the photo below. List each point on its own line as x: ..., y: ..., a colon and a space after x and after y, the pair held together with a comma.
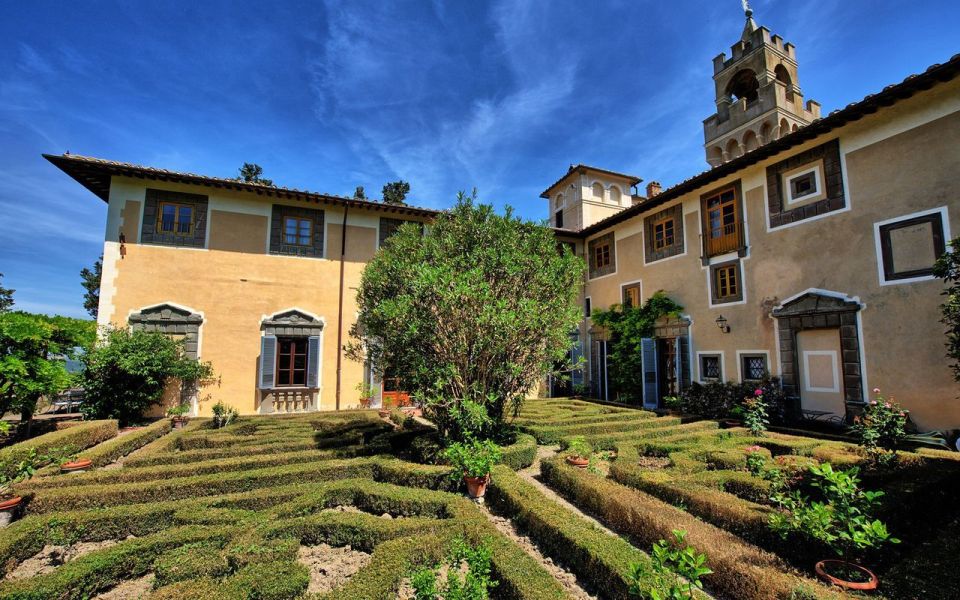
x: 343, y: 253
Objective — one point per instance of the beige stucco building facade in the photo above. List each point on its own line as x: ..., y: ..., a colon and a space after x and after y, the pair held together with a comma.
x: 805, y: 253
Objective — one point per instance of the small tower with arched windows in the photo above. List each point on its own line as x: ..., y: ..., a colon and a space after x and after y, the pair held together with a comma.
x: 587, y: 194
x: 758, y: 95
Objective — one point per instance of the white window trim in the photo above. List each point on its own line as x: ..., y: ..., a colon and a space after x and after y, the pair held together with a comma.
x: 944, y: 219
x: 818, y: 185
x: 848, y: 200
x: 741, y: 353
x: 806, y: 371
x: 723, y: 373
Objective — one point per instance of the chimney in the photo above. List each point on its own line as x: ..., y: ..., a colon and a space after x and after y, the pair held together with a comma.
x: 653, y: 188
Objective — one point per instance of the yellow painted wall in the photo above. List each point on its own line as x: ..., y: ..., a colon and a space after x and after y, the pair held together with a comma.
x: 235, y: 284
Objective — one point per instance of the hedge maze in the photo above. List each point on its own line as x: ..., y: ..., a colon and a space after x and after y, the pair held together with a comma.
x: 670, y: 474
x: 202, y: 513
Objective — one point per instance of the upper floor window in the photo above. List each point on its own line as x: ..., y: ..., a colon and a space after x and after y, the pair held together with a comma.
x: 602, y: 255
x: 598, y: 191
x: 558, y: 219
x: 389, y: 226
x: 910, y: 245
x: 722, y: 222
x: 805, y: 186
x: 175, y: 218
x: 725, y: 283
x: 664, y: 233
x: 297, y: 231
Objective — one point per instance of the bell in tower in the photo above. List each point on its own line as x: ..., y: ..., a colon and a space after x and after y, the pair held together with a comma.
x: 758, y: 95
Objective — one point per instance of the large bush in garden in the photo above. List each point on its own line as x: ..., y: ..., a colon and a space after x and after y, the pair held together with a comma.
x: 628, y: 325
x: 471, y: 314
x: 127, y: 372
x: 947, y: 268
x: 32, y: 352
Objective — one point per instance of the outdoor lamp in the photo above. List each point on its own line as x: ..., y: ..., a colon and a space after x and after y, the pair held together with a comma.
x: 722, y: 324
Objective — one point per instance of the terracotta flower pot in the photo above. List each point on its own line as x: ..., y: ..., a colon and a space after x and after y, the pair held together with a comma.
x: 477, y: 486
x: 77, y: 466
x: 178, y: 422
x: 10, y: 503
x: 730, y: 423
x: 824, y: 565
x: 384, y: 412
x: 579, y: 462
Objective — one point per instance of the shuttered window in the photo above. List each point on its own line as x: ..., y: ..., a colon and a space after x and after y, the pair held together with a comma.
x: 289, y: 361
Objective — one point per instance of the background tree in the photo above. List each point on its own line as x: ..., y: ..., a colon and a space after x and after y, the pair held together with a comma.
x: 6, y: 297
x: 91, y: 283
x: 128, y: 371
x: 33, y: 349
x: 471, y: 315
x: 251, y: 172
x: 359, y: 194
x: 396, y: 192
x: 627, y: 326
x: 948, y: 269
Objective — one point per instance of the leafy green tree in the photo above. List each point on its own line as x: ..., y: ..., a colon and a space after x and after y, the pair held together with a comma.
x: 396, y: 192
x: 472, y: 314
x: 359, y: 194
x: 91, y: 283
x: 627, y: 326
x: 251, y: 173
x: 6, y: 297
x: 128, y: 371
x: 947, y: 268
x: 33, y: 349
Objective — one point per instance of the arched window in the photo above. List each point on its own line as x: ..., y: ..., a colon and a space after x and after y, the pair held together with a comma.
x: 559, y: 202
x: 784, y: 127
x: 743, y: 85
x: 715, y: 155
x: 794, y: 128
x: 598, y: 191
x: 733, y: 149
x: 750, y: 141
x: 615, y: 194
x: 783, y: 76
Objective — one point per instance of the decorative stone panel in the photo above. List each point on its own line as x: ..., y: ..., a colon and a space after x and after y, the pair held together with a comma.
x: 819, y: 311
x: 170, y: 320
x: 780, y: 213
x: 151, y: 211
x: 277, y: 242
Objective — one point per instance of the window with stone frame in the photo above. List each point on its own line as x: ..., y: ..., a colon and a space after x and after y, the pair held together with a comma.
x: 664, y: 233
x: 753, y: 367
x: 389, y: 226
x: 726, y: 283
x: 602, y: 256
x: 711, y: 368
x: 909, y: 247
x: 174, y: 219
x: 291, y: 361
x: 805, y: 185
x: 296, y: 231
x: 722, y: 221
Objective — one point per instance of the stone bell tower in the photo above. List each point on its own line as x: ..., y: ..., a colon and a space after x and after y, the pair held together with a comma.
x: 758, y: 95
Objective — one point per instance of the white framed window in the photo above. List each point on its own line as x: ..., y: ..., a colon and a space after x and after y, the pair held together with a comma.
x: 908, y: 246
x: 753, y: 365
x: 710, y: 366
x: 804, y: 184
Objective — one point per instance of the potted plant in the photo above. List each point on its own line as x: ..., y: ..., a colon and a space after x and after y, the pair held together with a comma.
x: 473, y: 461
x: 579, y: 452
x: 10, y: 502
x: 77, y: 465
x: 840, y: 520
x: 734, y: 417
x: 367, y: 393
x: 178, y: 415
x: 672, y: 404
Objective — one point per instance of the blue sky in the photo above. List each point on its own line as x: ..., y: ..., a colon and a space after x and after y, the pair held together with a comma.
x: 326, y: 96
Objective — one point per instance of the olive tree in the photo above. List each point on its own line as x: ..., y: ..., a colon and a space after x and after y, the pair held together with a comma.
x: 472, y: 314
x: 948, y: 269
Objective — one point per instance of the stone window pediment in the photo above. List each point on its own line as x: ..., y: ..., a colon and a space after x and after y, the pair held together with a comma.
x: 292, y: 322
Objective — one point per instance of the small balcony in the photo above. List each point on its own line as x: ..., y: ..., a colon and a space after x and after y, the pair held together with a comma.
x: 723, y: 239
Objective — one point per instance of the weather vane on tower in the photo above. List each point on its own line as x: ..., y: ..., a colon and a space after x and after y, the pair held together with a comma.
x: 746, y: 8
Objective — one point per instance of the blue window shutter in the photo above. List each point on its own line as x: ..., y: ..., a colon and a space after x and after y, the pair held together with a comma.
x: 313, y: 361
x: 651, y: 387
x: 268, y: 362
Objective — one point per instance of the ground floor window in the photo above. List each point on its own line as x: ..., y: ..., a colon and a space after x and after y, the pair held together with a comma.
x: 753, y: 367
x: 292, y: 361
x: 710, y: 369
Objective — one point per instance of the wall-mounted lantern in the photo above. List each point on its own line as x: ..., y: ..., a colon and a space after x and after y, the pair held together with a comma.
x: 722, y: 324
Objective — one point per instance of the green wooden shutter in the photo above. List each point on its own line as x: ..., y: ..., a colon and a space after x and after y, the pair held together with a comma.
x: 313, y: 361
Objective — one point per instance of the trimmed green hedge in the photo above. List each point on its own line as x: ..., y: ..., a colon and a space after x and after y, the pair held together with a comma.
x: 78, y: 437
x: 118, y: 447
x: 741, y: 570
x: 521, y: 453
x: 589, y: 552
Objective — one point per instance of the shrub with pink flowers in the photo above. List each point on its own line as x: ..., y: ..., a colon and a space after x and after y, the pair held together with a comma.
x: 881, y: 428
x: 755, y: 412
x: 756, y: 460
